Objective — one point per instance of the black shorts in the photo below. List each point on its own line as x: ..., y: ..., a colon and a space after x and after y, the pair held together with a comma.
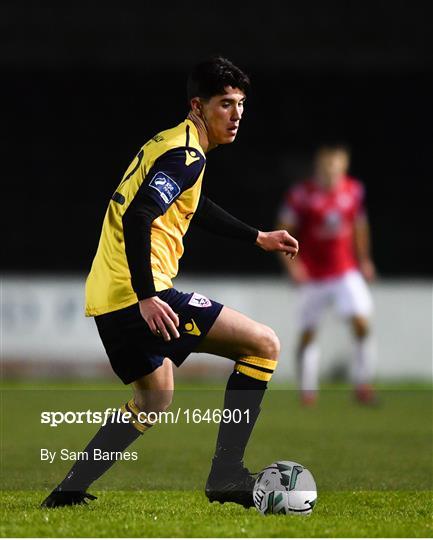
x: 132, y: 348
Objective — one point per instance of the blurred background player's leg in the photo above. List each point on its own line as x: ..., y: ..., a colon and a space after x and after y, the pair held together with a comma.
x: 308, y: 367
x: 314, y: 297
x: 354, y: 302
x: 363, y: 360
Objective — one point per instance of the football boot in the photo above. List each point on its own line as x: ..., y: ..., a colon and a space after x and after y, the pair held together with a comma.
x: 66, y: 498
x: 230, y: 484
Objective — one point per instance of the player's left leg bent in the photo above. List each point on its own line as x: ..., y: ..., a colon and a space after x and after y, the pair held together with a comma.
x: 255, y: 348
x: 355, y: 304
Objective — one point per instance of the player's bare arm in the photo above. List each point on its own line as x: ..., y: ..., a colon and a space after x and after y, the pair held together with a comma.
x: 363, y: 247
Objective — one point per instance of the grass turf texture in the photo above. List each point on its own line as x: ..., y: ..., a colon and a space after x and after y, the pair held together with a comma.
x: 188, y: 514
x: 373, y: 467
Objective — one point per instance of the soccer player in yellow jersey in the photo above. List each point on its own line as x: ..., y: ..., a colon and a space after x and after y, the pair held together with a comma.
x: 145, y: 324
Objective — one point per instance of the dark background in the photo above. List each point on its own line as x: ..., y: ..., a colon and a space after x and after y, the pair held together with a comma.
x: 86, y: 84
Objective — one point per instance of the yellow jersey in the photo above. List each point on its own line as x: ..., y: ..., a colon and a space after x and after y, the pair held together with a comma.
x: 168, y: 170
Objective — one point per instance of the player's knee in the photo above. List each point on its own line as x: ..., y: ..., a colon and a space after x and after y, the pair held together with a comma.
x: 273, y: 344
x: 262, y: 360
x: 165, y: 400
x: 268, y: 344
x: 361, y: 327
x: 307, y: 337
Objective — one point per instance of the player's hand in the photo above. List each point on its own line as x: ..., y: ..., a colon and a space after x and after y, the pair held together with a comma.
x: 368, y: 269
x: 278, y: 241
x: 161, y: 319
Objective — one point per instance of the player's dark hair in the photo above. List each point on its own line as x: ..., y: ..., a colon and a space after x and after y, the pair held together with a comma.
x: 209, y: 78
x: 334, y: 146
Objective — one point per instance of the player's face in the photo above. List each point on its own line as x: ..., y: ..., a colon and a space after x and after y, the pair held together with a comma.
x: 331, y: 166
x: 222, y: 115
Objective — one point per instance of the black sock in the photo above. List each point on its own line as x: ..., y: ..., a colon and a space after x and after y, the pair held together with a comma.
x: 113, y: 437
x: 245, y: 394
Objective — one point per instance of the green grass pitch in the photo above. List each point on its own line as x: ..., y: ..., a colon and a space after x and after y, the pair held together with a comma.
x: 373, y: 466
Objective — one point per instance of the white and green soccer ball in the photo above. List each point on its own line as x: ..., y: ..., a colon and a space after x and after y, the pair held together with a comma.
x: 285, y: 487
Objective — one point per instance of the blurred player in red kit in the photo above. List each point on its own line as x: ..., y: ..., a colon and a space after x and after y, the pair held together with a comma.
x: 327, y: 214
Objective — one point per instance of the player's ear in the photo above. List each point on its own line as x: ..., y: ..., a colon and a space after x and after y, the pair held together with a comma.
x: 196, y: 106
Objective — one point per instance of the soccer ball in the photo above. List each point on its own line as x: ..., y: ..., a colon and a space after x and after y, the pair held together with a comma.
x: 285, y: 487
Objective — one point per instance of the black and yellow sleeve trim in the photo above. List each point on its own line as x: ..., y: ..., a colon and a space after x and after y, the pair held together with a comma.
x: 255, y: 367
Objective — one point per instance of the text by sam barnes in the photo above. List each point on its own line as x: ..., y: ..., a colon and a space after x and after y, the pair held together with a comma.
x: 97, y: 455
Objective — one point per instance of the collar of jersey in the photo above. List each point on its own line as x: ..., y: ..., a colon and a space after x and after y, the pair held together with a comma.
x: 194, y: 133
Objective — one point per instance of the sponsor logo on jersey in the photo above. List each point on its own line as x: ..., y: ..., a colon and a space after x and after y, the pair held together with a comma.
x: 191, y: 156
x: 192, y: 329
x: 165, y: 186
x: 332, y: 220
x: 198, y: 300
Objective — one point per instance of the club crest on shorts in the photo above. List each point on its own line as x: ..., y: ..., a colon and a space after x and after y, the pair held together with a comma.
x: 198, y: 300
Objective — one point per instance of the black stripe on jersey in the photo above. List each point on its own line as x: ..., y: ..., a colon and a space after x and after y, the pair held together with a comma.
x: 187, y: 136
x: 139, y: 160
